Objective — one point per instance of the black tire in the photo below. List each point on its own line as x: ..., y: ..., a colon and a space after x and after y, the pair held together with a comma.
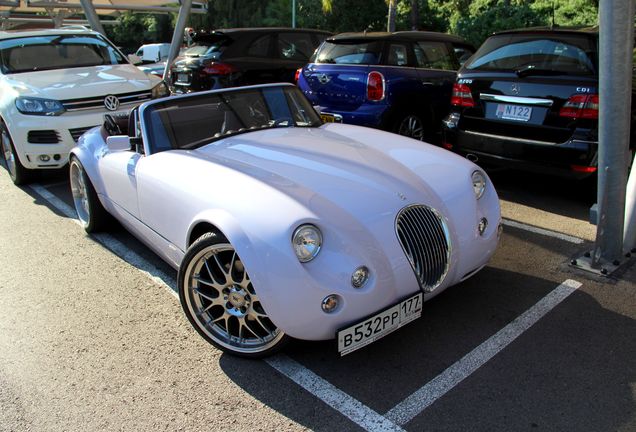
x: 411, y: 125
x: 90, y: 211
x: 19, y: 173
x: 219, y: 300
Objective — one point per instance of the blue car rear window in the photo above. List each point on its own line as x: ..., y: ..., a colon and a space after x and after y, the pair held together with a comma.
x: 348, y: 52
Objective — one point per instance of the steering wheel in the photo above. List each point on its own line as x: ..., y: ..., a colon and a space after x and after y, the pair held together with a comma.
x: 111, y: 125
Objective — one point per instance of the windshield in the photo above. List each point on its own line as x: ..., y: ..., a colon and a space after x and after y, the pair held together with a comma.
x: 193, y: 121
x: 37, y: 53
x: 551, y: 53
x: 349, y: 52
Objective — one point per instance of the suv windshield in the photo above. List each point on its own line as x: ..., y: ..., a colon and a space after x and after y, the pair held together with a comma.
x: 191, y: 122
x: 349, y: 52
x: 537, y: 53
x: 37, y: 53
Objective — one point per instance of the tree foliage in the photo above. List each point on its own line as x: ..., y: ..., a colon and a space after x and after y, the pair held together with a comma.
x: 472, y: 19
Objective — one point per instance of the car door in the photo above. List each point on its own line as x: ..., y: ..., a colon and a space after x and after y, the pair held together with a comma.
x: 437, y: 68
x: 293, y: 50
x: 118, y: 170
x: 255, y: 60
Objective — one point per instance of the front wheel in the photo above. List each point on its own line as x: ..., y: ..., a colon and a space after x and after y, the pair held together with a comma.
x: 221, y: 303
x: 18, y: 173
x: 90, y: 211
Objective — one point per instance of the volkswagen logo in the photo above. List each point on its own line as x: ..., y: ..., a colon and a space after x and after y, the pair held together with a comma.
x: 324, y: 78
x: 111, y: 102
x: 514, y: 89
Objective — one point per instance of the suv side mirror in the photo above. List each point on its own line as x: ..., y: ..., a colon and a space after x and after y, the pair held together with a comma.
x: 134, y: 59
x: 117, y: 143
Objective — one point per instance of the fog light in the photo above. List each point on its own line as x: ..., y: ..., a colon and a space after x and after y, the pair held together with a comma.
x: 45, y: 158
x: 483, y: 224
x: 57, y: 157
x: 360, y: 277
x: 330, y: 303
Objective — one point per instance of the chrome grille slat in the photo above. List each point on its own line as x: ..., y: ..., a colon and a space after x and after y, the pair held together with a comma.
x: 98, y: 101
x: 424, y: 237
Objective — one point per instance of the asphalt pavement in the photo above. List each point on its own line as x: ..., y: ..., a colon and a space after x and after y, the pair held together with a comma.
x: 89, y: 341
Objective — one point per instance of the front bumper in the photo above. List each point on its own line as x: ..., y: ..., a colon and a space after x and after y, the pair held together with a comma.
x: 34, y: 136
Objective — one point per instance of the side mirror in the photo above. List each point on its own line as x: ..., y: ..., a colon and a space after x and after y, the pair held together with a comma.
x: 134, y: 59
x: 117, y: 143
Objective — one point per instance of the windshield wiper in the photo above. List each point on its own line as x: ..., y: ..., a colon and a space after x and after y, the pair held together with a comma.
x: 533, y: 70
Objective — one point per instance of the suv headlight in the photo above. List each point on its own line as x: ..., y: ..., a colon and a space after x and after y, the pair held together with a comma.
x: 160, y: 90
x: 307, y: 241
x: 479, y: 183
x: 39, y: 106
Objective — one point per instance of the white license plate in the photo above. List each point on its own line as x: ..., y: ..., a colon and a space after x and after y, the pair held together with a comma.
x: 379, y: 325
x: 183, y: 78
x: 513, y: 112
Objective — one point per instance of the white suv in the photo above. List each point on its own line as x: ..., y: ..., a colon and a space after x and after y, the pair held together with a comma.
x: 54, y: 86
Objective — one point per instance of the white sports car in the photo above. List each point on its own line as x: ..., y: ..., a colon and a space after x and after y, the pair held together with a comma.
x: 282, y: 226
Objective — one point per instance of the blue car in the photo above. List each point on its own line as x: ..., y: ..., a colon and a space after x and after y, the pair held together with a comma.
x: 400, y: 82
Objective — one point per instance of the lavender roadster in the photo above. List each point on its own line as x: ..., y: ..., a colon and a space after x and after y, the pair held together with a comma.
x: 281, y: 226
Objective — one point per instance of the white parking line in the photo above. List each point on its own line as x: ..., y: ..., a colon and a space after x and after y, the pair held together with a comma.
x: 121, y: 250
x: 413, y: 405
x: 351, y: 408
x: 542, y: 231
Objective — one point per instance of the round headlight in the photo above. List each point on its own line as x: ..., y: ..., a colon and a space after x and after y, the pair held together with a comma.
x: 307, y: 241
x: 479, y: 183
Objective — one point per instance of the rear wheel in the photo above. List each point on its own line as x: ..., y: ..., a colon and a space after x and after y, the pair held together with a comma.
x: 90, y: 211
x: 221, y: 303
x: 410, y: 125
x: 18, y: 173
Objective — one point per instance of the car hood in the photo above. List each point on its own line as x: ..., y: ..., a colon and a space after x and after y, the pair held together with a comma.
x: 362, y: 171
x: 81, y: 82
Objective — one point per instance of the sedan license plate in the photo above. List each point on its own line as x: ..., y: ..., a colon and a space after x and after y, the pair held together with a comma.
x: 513, y: 112
x: 183, y: 78
x: 379, y: 325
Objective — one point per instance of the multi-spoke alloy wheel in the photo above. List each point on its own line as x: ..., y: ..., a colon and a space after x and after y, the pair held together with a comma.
x: 89, y: 209
x: 411, y: 126
x: 221, y: 302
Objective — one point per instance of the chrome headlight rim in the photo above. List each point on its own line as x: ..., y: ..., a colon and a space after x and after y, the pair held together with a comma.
x: 301, y: 239
x: 39, y: 106
x: 479, y: 183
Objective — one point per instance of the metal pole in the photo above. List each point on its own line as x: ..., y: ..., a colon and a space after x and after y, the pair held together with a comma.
x: 629, y: 236
x: 293, y: 13
x: 615, y: 66
x: 177, y: 36
x: 91, y: 16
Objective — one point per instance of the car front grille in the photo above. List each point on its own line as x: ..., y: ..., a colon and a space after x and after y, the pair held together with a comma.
x: 425, y: 240
x: 98, y: 101
x: 43, y: 137
x: 77, y: 132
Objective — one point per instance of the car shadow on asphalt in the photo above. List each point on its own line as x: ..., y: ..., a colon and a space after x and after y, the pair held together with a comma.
x: 577, y: 360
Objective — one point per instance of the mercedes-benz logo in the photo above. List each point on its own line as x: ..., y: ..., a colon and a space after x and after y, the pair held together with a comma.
x: 514, y: 89
x: 111, y: 102
x: 324, y: 78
